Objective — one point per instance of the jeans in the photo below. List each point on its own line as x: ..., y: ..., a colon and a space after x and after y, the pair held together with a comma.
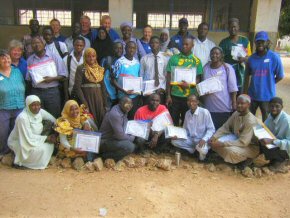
x: 178, y: 109
x: 7, y: 120
x: 264, y: 107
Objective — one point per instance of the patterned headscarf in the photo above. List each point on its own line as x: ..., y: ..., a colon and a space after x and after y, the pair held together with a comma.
x: 74, y: 122
x: 94, y: 73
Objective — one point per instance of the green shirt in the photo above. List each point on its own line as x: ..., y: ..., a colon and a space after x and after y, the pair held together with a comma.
x: 181, y: 60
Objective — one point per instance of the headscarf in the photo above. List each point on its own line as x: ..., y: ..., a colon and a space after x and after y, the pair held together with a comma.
x: 74, y: 122
x: 126, y: 24
x: 35, y: 118
x: 94, y: 73
x: 164, y: 45
x: 103, y: 47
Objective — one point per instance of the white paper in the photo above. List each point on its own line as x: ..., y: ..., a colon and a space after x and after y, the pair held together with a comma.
x: 133, y: 83
x: 185, y: 74
x: 229, y: 137
x: 172, y: 131
x: 209, y: 86
x: 237, y: 52
x: 270, y: 146
x: 261, y: 133
x: 160, y: 122
x: 87, y: 141
x: 41, y: 70
x: 138, y: 129
x: 149, y: 87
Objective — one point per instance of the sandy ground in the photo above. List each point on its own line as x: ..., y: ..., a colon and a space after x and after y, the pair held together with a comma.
x: 183, y: 192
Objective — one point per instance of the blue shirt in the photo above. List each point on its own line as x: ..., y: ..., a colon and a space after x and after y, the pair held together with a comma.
x: 12, y: 90
x: 264, y: 70
x: 178, y: 39
x: 107, y: 78
x: 22, y: 66
x: 60, y: 38
x: 124, y: 68
x: 280, y: 127
x: 92, y: 35
x: 146, y: 46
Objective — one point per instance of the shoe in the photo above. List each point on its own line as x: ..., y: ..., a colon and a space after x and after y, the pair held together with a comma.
x: 279, y: 167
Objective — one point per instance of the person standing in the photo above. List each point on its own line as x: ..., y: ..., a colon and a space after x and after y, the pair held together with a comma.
x: 106, y: 22
x: 164, y: 39
x: 56, y: 27
x: 202, y: 45
x: 87, y: 31
x: 15, y: 49
x: 264, y: 71
x: 147, y: 34
x: 177, y: 93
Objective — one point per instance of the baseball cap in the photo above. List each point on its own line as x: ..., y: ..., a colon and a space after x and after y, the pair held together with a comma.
x: 183, y: 20
x: 262, y: 35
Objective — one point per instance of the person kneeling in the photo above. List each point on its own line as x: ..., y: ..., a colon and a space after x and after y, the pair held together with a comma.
x: 199, y: 127
x: 31, y: 148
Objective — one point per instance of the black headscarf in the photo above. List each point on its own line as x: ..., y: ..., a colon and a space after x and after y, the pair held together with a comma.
x: 104, y: 47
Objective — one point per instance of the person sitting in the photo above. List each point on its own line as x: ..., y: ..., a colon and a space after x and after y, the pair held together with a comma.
x: 199, y: 127
x: 278, y: 122
x: 32, y: 149
x: 147, y: 113
x: 72, y: 117
x: 115, y: 143
x: 242, y: 148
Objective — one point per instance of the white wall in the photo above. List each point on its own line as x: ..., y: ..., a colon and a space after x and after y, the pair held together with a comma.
x: 120, y: 11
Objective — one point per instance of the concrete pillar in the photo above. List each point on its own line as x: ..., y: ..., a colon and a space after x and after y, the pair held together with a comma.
x: 265, y: 16
x: 120, y: 11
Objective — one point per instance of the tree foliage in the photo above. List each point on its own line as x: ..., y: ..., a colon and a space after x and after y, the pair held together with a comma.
x: 284, y: 22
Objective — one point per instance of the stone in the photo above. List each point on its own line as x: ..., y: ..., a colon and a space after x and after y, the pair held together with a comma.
x: 78, y: 163
x: 267, y: 172
x: 110, y: 163
x: 98, y: 164
x: 224, y: 168
x: 247, y: 172
x: 140, y: 162
x: 120, y: 166
x: 211, y: 167
x: 186, y: 166
x: 90, y: 166
x: 260, y: 161
x: 66, y: 163
x: 52, y: 160
x: 8, y: 159
x: 257, y: 172
x: 151, y: 162
x: 130, y: 162
x: 164, y: 164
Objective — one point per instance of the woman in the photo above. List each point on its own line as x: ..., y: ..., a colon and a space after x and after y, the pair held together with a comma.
x: 12, y: 91
x: 15, y: 49
x: 89, y: 86
x: 32, y: 149
x: 164, y: 39
x: 220, y: 104
x: 72, y: 117
x: 103, y: 44
x: 147, y: 34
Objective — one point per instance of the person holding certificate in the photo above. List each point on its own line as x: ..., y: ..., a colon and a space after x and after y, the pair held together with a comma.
x: 199, y: 128
x: 127, y: 68
x: 222, y: 103
x: 177, y: 93
x: 72, y: 117
x: 278, y: 122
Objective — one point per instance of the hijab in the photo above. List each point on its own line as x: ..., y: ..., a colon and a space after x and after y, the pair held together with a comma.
x: 94, y: 73
x: 74, y: 122
x: 34, y: 118
x: 164, y: 45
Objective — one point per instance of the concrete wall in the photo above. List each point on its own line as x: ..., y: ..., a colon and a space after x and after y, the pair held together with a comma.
x: 120, y: 11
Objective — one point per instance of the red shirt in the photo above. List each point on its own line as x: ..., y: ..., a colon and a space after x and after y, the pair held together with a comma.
x: 144, y: 113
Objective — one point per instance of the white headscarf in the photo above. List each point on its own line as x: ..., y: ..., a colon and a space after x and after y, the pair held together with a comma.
x: 31, y: 116
x: 164, y: 45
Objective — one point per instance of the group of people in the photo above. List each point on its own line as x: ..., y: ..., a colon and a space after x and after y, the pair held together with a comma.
x: 77, y: 83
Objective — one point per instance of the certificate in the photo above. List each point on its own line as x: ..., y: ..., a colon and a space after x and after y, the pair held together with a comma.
x: 87, y: 140
x: 149, y: 87
x: 171, y: 131
x: 138, y: 128
x: 184, y: 74
x: 41, y: 70
x: 133, y: 83
x: 160, y: 122
x: 237, y: 52
x: 229, y: 137
x: 262, y: 132
x: 209, y: 86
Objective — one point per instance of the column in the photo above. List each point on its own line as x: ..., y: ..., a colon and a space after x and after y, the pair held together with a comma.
x: 120, y: 11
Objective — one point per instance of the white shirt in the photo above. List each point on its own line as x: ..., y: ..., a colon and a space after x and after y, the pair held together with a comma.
x: 147, y: 68
x: 199, y: 125
x: 51, y: 47
x: 202, y: 49
x: 70, y: 46
x: 74, y: 63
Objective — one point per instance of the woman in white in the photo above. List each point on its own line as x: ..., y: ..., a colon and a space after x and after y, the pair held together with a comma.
x: 31, y: 149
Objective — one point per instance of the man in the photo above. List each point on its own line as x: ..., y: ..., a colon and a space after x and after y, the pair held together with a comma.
x: 47, y: 90
x: 147, y: 113
x: 54, y: 47
x: 115, y: 142
x: 264, y: 70
x: 76, y: 32
x: 72, y: 61
x: 147, y: 34
x: 107, y: 22
x: 202, y: 45
x: 177, y: 93
x: 227, y: 44
x: 109, y: 63
x: 34, y: 31
x: 244, y: 148
x: 127, y: 66
x: 56, y: 27
x: 177, y: 39
x: 153, y: 67
x: 199, y: 128
x: 278, y: 123
x: 87, y: 32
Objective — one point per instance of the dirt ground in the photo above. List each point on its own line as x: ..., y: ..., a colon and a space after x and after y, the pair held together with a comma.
x: 187, y: 191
